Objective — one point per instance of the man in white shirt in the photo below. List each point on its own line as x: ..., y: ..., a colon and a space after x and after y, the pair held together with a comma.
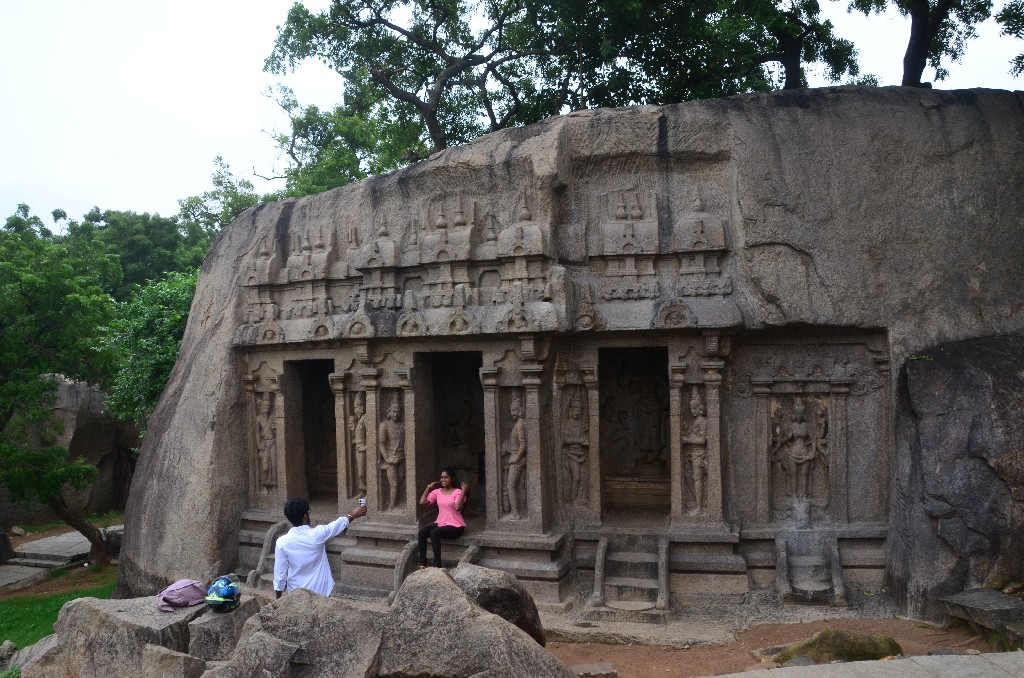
x: 300, y: 555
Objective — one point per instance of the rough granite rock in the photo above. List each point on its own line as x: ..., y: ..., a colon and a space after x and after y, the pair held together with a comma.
x: 434, y: 629
x: 959, y: 505
x: 214, y: 636
x: 888, y: 210
x: 159, y: 662
x: 500, y: 593
x: 834, y: 644
x: 94, y: 637
x: 324, y: 636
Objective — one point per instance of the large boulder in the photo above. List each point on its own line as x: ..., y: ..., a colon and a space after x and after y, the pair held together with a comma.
x: 500, y: 593
x: 959, y: 505
x: 305, y: 634
x: 434, y: 629
x: 90, y: 432
x: 94, y: 637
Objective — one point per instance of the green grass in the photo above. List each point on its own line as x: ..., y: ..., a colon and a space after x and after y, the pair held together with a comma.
x: 26, y: 619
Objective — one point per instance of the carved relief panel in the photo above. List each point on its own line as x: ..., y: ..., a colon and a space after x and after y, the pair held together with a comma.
x: 263, y: 388
x: 802, y: 414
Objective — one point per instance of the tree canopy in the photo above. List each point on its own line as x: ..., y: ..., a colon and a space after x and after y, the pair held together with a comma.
x: 427, y: 74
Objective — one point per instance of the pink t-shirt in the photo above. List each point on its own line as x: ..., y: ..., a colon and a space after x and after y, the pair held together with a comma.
x: 446, y: 513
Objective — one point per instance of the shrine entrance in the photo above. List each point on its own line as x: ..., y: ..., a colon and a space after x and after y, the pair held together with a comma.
x: 458, y: 421
x: 313, y: 453
x: 636, y: 480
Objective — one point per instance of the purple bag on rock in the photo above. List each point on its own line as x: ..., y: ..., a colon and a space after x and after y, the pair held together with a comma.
x: 182, y: 593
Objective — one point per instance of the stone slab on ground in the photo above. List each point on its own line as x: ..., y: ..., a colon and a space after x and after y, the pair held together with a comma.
x: 985, y: 607
x: 602, y: 670
x: 18, y: 576
x: 682, y: 632
x: 67, y: 547
x: 993, y: 665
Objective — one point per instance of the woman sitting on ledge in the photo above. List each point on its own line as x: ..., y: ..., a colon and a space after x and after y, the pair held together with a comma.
x: 450, y: 523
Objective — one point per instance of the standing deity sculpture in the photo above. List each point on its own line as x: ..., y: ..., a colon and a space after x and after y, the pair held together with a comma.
x: 391, y: 445
x: 357, y: 429
x: 649, y: 418
x: 695, y: 440
x: 266, y: 440
x: 576, y: 446
x: 795, y: 448
x: 516, y: 448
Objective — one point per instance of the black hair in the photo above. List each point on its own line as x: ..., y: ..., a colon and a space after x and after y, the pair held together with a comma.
x: 295, y: 509
x: 451, y: 473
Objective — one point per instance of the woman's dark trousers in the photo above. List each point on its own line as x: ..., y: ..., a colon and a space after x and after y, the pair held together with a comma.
x: 436, y: 534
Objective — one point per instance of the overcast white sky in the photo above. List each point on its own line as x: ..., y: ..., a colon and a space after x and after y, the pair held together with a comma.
x: 124, y: 104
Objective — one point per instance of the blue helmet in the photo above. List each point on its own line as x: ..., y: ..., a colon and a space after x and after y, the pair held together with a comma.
x: 224, y: 594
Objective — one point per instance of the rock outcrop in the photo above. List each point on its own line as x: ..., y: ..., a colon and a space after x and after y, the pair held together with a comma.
x: 885, y: 218
x: 433, y: 629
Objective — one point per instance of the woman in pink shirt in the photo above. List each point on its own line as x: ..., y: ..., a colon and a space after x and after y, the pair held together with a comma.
x: 450, y: 524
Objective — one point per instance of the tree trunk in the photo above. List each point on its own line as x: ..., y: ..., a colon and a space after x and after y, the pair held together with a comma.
x: 98, y: 553
x: 916, y: 56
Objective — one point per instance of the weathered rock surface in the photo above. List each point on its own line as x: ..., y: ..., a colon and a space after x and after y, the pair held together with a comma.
x: 959, y: 504
x: 434, y: 629
x: 868, y: 209
x: 95, y: 637
x: 500, y: 593
x: 305, y: 634
x: 89, y: 431
x: 214, y: 636
x: 159, y: 662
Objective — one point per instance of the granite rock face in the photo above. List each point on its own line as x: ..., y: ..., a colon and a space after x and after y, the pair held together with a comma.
x: 706, y: 306
x: 959, y: 509
x: 500, y: 593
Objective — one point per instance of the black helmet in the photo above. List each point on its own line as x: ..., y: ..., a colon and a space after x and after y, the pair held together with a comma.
x: 224, y: 594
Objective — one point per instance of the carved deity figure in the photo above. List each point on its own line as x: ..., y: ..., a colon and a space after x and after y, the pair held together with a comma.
x: 391, y: 445
x: 576, y: 446
x: 516, y: 448
x: 357, y: 429
x: 266, y: 440
x: 649, y: 418
x: 695, y: 440
x: 795, y: 449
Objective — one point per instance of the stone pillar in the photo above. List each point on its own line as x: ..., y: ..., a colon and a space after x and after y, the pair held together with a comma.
x: 370, y: 381
x: 492, y: 445
x: 677, y: 400
x: 837, y: 453
x: 713, y: 486
x: 762, y: 443
x: 409, y: 501
x: 346, y: 464
x: 537, y: 482
x: 594, y: 454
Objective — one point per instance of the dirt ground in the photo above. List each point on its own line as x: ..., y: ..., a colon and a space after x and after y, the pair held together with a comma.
x: 644, y: 661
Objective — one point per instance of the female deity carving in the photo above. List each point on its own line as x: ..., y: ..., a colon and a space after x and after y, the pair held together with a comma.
x: 695, y: 439
x: 266, y: 440
x: 576, y: 445
x: 796, y: 449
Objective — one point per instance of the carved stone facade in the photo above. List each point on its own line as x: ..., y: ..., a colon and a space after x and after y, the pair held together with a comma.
x: 455, y: 335
x: 641, y: 336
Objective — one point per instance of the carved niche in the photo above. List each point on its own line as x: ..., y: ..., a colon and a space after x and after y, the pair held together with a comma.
x: 264, y: 391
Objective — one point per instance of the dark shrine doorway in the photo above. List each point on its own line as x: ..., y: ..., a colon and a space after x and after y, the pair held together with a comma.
x: 636, y: 479
x: 319, y: 434
x: 458, y: 421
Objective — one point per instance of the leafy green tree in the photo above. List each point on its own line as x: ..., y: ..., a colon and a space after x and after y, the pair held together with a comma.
x: 202, y: 217
x: 1011, y: 18
x: 146, y: 336
x: 939, y: 29
x: 332, y: 148
x: 53, y: 308
x: 461, y: 69
x: 147, y: 245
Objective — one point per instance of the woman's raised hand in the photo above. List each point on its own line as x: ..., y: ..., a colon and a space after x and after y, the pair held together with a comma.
x: 465, y: 487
